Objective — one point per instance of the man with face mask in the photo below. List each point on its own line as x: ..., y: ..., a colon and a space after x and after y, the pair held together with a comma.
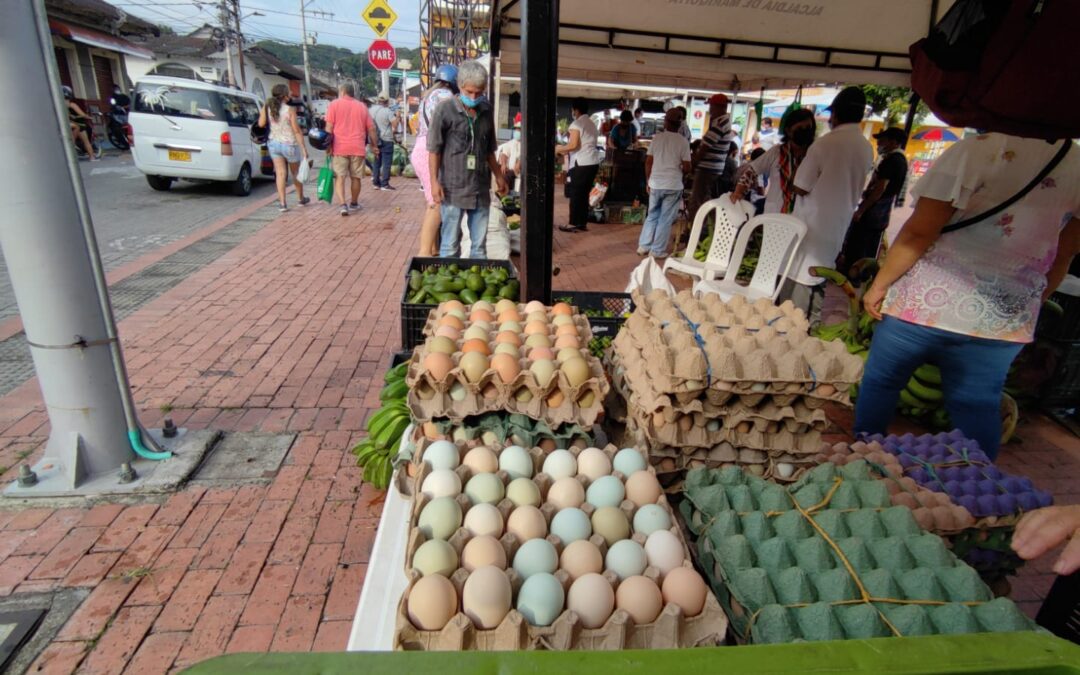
x: 509, y: 155
x: 828, y: 184
x: 872, y: 216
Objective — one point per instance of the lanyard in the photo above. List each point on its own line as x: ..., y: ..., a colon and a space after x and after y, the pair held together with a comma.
x: 472, y: 132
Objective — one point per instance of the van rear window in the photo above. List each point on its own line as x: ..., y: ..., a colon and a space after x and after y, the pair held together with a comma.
x: 177, y: 101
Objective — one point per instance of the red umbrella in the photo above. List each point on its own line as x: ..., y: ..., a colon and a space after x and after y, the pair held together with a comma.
x: 936, y: 134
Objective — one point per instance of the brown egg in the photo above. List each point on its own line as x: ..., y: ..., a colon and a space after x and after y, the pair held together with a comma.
x: 567, y: 342
x: 562, y: 308
x: 476, y: 345
x: 509, y: 315
x: 453, y: 321
x: 639, y: 597
x: 509, y: 338
x: 581, y: 557
x: 537, y: 353
x: 438, y: 365
x: 481, y: 459
x: 487, y: 596
x: 481, y: 552
x: 566, y: 493
x: 592, y: 598
x: 527, y: 522
x: 432, y: 602
x: 506, y: 367
x: 536, y: 327
x: 566, y: 329
x: 451, y: 304
x: 685, y: 588
x: 448, y: 332
x: 555, y: 399
x: 480, y: 315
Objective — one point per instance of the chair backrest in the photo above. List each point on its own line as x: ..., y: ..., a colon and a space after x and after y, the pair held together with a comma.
x: 726, y: 223
x: 781, y: 236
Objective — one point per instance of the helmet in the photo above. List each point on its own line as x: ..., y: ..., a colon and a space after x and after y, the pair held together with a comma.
x: 320, y: 139
x: 68, y: 92
x: 446, y: 73
x: 259, y: 135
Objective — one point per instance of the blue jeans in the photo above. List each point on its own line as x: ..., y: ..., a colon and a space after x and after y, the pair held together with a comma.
x: 663, y: 207
x: 973, y: 372
x: 380, y: 174
x: 450, y: 232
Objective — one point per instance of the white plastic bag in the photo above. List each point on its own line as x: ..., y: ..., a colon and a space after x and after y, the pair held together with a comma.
x: 648, y: 276
x: 497, y: 242
x: 304, y: 171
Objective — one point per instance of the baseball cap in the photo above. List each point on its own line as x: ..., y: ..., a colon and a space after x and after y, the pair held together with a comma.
x: 718, y: 99
x: 849, y: 98
x: 517, y: 120
x: 892, y: 133
x: 381, y: 98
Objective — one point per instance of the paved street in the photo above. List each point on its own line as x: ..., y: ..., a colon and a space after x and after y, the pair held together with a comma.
x: 131, y: 219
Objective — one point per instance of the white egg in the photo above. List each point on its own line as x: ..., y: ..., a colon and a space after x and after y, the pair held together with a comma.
x: 441, y: 483
x: 560, y: 464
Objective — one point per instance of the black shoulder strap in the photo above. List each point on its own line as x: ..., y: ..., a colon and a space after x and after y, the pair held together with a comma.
x: 1058, y: 156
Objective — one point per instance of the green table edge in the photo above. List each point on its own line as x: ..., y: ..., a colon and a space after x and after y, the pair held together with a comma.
x: 1023, y: 652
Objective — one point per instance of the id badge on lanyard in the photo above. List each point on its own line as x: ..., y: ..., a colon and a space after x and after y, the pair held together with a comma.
x: 470, y: 159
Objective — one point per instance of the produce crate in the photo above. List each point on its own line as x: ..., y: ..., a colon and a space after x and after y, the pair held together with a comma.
x: 594, y: 304
x: 421, y: 263
x: 1063, y: 389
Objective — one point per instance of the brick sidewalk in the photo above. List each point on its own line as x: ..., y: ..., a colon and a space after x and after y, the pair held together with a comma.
x: 289, y: 331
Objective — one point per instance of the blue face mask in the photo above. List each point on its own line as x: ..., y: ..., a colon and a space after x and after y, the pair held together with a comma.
x: 517, y: 133
x: 471, y: 102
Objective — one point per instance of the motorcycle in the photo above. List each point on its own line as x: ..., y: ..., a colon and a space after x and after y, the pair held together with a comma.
x: 88, y: 127
x: 117, y: 128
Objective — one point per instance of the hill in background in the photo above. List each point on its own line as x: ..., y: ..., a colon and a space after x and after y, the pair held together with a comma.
x: 328, y: 58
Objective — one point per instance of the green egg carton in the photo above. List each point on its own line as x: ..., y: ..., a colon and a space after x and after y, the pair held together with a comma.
x: 830, y: 558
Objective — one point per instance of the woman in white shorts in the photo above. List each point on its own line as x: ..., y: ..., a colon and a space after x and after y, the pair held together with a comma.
x: 286, y: 144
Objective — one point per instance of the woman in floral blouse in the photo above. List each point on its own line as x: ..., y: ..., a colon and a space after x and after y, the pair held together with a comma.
x: 968, y: 300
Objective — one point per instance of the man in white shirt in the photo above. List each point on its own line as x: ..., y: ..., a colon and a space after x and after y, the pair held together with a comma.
x: 665, y: 165
x: 768, y: 136
x: 828, y: 184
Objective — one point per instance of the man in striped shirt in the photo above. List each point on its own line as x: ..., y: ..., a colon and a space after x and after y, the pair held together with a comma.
x: 713, y: 155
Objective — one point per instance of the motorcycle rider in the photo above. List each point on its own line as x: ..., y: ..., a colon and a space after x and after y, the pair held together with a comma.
x: 78, y: 119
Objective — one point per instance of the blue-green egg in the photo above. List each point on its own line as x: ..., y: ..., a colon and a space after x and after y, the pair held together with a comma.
x: 515, y: 460
x: 570, y: 525
x: 605, y: 491
x: 650, y: 518
x: 541, y: 599
x: 536, y: 556
x: 628, y: 461
x: 626, y: 558
x: 442, y: 455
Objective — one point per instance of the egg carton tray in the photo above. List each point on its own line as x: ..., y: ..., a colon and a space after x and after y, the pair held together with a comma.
x: 671, y: 629
x: 581, y: 322
x: 831, y: 558
x: 500, y: 428
x: 710, y: 308
x: 556, y: 403
x: 804, y: 440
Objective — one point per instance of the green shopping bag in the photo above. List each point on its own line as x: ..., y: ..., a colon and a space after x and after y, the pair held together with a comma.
x: 325, y: 186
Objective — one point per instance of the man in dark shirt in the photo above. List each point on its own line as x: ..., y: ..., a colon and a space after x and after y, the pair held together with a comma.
x: 712, y: 156
x: 461, y: 146
x: 872, y: 216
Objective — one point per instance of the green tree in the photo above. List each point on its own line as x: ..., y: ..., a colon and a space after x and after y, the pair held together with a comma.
x: 892, y: 104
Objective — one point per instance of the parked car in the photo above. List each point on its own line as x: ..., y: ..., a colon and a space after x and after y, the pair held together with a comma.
x: 194, y: 131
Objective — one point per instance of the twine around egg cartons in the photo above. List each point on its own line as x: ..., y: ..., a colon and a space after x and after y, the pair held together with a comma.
x: 831, y: 558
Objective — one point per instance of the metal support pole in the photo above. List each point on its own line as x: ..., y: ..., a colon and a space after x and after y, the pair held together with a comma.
x: 239, y: 44
x: 539, y: 71
x: 54, y: 266
x: 303, y: 47
x: 384, y: 86
x: 227, y: 29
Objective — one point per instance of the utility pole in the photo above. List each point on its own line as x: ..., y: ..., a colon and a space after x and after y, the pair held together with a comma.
x: 303, y: 46
x: 239, y: 43
x: 223, y: 10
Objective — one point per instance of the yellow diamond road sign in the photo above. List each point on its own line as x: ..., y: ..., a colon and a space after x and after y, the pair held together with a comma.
x: 380, y: 17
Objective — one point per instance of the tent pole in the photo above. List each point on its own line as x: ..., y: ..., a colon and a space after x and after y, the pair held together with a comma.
x: 539, y: 71
x: 909, y: 121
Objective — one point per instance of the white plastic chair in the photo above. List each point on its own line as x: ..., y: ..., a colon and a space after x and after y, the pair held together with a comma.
x: 781, y: 237
x: 727, y: 222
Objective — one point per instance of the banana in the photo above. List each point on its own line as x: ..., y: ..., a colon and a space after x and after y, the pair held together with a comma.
x: 384, y: 416
x: 930, y: 396
x: 364, y: 452
x: 929, y: 374
x: 395, y: 390
x: 908, y: 399
x: 392, y: 432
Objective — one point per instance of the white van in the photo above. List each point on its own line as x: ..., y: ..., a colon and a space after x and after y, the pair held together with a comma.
x: 194, y: 130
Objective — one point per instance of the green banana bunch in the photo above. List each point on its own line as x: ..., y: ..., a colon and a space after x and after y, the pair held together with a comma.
x: 385, y: 429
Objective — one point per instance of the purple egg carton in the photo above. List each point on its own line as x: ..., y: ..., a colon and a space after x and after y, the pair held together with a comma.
x: 951, y: 463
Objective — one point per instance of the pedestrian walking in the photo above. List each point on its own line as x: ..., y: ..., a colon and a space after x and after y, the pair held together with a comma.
x: 713, y: 155
x: 461, y: 157
x: 665, y: 165
x: 286, y: 143
x: 584, y: 164
x: 384, y: 119
x: 444, y: 87
x: 348, y: 120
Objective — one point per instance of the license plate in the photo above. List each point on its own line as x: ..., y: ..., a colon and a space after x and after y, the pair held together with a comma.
x: 179, y: 156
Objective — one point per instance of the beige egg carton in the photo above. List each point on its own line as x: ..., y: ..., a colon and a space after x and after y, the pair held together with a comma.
x: 581, y: 322
x: 711, y: 309
x: 556, y: 403
x: 744, y: 435
x: 416, y: 470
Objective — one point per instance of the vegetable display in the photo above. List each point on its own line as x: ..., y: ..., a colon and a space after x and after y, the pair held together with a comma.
x: 442, y: 283
x: 385, y: 428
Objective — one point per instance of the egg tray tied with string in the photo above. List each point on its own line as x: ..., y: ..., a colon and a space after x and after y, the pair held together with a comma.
x: 500, y: 428
x: 831, y: 558
x: 561, y: 550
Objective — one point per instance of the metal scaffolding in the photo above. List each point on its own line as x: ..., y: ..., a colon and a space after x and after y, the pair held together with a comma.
x: 452, y: 31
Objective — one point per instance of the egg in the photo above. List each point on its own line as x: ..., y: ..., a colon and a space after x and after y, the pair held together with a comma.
x: 560, y: 464
x: 441, y: 483
x: 451, y: 305
x: 484, y: 520
x: 538, y: 340
x: 441, y: 344
x: 543, y: 370
x: 486, y: 597
x: 515, y: 461
x: 432, y: 602
x: 626, y: 558
x: 562, y: 320
x: 587, y: 399
x: 555, y: 399
x: 509, y: 315
x: 485, y: 488
x: 592, y: 598
x: 475, y: 332
x: 566, y: 329
x: 508, y: 337
x: 642, y: 488
x: 474, y: 365
x: 536, y: 328
x: 484, y: 305
x: 576, y: 370
x: 440, y: 518
x: 509, y: 349
x: 442, y: 455
x: 684, y: 587
x: 566, y: 493
x: 526, y: 522
x: 664, y: 551
x: 536, y: 315
x: 570, y: 525
x: 505, y: 304
x: 506, y: 367
x: 452, y: 321
x: 535, y: 306
x: 640, y: 598
x: 541, y: 354
x: 435, y: 556
x: 509, y: 326
x: 448, y: 332
x: 566, y: 354
x: 523, y: 395
x: 581, y: 557
x: 540, y: 599
x: 628, y: 461
x: 523, y: 492
x: 567, y: 342
x: 438, y: 365
x: 481, y: 459
x: 610, y: 523
x: 605, y: 491
x: 593, y: 463
x: 458, y: 392
x: 480, y: 315
x: 534, y: 557
x: 562, y: 309
x: 482, y: 551
x: 650, y: 518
